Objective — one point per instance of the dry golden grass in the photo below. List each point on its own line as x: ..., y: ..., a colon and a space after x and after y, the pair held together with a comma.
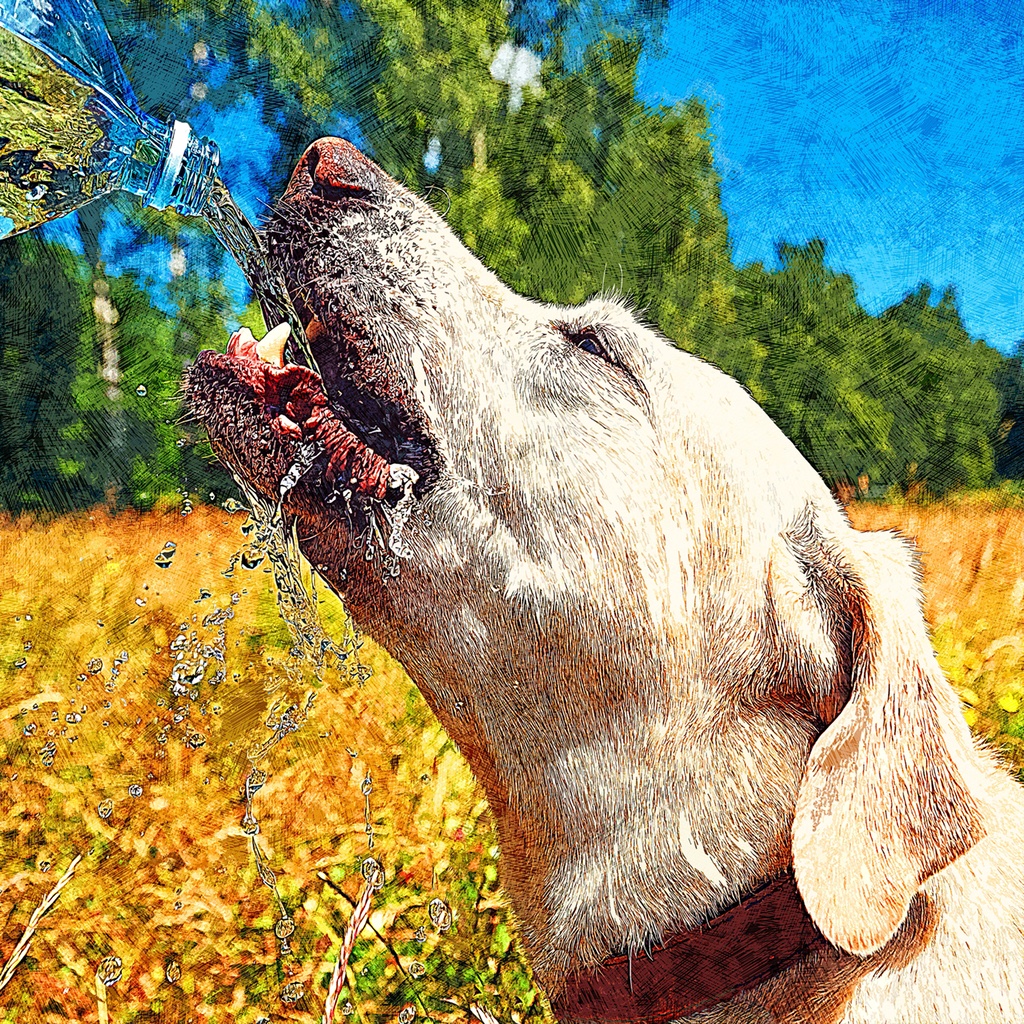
x: 168, y: 881
x: 972, y: 557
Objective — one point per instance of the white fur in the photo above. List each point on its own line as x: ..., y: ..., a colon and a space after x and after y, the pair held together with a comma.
x: 646, y: 606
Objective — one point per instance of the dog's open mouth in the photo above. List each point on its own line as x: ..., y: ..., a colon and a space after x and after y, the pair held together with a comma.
x: 264, y: 416
x: 356, y: 431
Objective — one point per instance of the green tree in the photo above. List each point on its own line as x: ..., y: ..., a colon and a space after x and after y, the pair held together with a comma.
x: 41, y: 320
x: 814, y: 352
x: 1009, y: 444
x: 949, y: 436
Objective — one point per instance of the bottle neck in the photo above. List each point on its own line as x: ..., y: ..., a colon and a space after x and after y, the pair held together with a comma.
x: 171, y: 166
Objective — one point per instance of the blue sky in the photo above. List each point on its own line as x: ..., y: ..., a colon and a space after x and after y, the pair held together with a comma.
x: 893, y: 130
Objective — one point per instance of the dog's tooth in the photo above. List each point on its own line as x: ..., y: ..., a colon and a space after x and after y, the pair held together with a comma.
x: 240, y: 342
x: 271, y: 347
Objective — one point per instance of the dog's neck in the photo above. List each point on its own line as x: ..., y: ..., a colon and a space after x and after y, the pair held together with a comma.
x: 696, y: 969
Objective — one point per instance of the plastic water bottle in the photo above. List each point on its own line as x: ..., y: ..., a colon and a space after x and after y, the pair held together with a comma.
x: 71, y: 130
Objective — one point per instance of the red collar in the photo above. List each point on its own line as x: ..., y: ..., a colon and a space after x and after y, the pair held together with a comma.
x: 694, y: 970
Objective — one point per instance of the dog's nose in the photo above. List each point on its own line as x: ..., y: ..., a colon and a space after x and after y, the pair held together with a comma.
x: 335, y: 169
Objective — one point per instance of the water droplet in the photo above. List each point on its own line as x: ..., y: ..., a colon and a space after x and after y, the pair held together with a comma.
x: 30, y: 729
x: 255, y: 780
x: 35, y: 193
x: 416, y: 969
x: 348, y: 1009
x: 21, y: 663
x: 109, y: 970
x: 250, y: 826
x: 366, y: 788
x: 373, y: 873
x: 292, y: 992
x: 105, y: 808
x: 44, y: 866
x: 440, y: 914
x: 172, y: 972
x: 141, y: 391
x: 196, y: 740
x: 135, y: 790
x: 407, y: 1014
x: 251, y: 560
x: 166, y: 555
x: 73, y: 717
x: 284, y: 928
x: 95, y: 666
x: 27, y: 645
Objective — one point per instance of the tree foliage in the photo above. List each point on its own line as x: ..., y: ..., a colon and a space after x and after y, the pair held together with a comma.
x: 524, y: 125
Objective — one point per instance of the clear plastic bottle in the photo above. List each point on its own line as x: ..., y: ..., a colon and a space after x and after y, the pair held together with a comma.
x: 71, y: 130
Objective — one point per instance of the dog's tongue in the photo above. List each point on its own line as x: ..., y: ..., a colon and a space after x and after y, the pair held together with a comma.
x: 294, y: 398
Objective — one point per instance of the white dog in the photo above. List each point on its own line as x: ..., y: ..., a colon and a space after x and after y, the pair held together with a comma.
x: 730, y: 780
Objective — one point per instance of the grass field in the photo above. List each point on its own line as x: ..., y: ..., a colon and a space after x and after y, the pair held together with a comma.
x: 100, y: 759
x: 972, y: 557
x: 169, y: 881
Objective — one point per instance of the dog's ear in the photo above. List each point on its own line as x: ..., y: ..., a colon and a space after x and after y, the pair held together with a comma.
x: 886, y: 800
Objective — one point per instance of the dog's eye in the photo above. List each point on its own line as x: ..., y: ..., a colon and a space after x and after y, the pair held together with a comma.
x: 589, y: 342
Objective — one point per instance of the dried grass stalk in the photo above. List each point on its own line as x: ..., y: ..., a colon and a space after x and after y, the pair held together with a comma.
x: 33, y: 922
x: 357, y: 922
x: 103, y: 1014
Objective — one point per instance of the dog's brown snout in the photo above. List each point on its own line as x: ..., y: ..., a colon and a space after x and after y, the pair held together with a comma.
x: 334, y: 169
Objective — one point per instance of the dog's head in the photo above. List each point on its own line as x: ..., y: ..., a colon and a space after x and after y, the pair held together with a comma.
x: 616, y: 558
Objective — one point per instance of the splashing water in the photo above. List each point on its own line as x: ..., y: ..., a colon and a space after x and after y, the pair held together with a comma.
x: 247, y: 247
x: 296, y: 604
x: 166, y: 555
x: 440, y: 914
x: 281, y: 723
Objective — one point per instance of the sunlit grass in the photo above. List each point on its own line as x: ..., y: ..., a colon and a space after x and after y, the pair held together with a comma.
x: 972, y: 556
x: 168, y: 880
